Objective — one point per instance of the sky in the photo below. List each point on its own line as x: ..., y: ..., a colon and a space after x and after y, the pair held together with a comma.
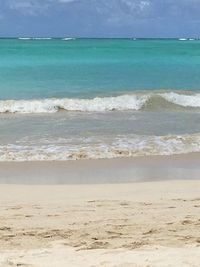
x: 100, y: 18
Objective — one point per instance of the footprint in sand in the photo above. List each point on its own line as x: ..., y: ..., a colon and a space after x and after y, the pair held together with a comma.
x: 185, y: 222
x: 4, y: 228
x: 15, y: 208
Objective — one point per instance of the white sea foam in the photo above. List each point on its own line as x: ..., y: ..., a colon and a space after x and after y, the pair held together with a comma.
x: 124, y: 146
x: 24, y: 38
x: 68, y: 39
x: 34, y: 38
x: 124, y: 102
x: 182, y: 100
x: 98, y: 104
x: 41, y: 38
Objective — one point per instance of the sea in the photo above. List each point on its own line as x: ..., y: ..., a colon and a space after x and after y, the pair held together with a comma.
x: 74, y: 99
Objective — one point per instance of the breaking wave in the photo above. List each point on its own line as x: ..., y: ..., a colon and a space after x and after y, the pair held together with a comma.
x: 34, y: 38
x: 182, y: 100
x: 69, y: 39
x: 125, y: 102
x: 101, y: 104
x: 123, y: 146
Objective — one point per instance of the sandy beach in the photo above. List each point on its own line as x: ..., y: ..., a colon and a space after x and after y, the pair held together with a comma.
x: 99, y: 133
x: 143, y: 224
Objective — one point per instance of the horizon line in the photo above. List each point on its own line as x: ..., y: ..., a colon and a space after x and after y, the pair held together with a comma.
x: 78, y: 37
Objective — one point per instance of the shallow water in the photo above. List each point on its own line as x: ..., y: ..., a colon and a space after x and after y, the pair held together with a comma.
x: 76, y: 135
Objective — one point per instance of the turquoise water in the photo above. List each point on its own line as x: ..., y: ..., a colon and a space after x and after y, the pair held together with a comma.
x: 91, y: 99
x: 85, y: 68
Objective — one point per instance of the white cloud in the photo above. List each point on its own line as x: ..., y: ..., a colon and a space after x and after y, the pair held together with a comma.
x: 144, y: 4
x: 123, y: 12
x: 33, y: 7
x: 111, y: 10
x: 29, y: 7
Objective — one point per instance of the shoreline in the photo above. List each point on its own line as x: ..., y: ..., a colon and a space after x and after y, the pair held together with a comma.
x: 101, y: 171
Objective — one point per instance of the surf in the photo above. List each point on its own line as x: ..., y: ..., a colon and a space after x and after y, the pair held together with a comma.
x: 135, y: 102
x: 121, y: 146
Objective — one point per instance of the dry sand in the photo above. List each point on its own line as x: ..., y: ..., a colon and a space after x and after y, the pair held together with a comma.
x: 151, y: 224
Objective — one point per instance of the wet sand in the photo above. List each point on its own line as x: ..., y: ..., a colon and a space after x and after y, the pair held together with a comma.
x: 120, y: 170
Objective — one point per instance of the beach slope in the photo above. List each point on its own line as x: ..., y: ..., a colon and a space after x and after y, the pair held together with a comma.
x: 150, y: 224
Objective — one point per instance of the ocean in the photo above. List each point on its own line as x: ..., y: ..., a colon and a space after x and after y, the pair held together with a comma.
x: 71, y: 99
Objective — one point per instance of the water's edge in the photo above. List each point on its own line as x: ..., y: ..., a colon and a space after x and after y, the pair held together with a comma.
x: 139, y: 169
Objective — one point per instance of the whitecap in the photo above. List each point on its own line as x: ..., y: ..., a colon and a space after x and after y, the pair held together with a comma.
x: 24, y: 38
x: 182, y: 100
x: 124, y: 102
x: 68, y: 39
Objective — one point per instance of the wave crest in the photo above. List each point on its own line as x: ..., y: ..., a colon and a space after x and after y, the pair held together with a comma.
x: 101, y: 104
x: 124, y: 102
x: 182, y: 100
